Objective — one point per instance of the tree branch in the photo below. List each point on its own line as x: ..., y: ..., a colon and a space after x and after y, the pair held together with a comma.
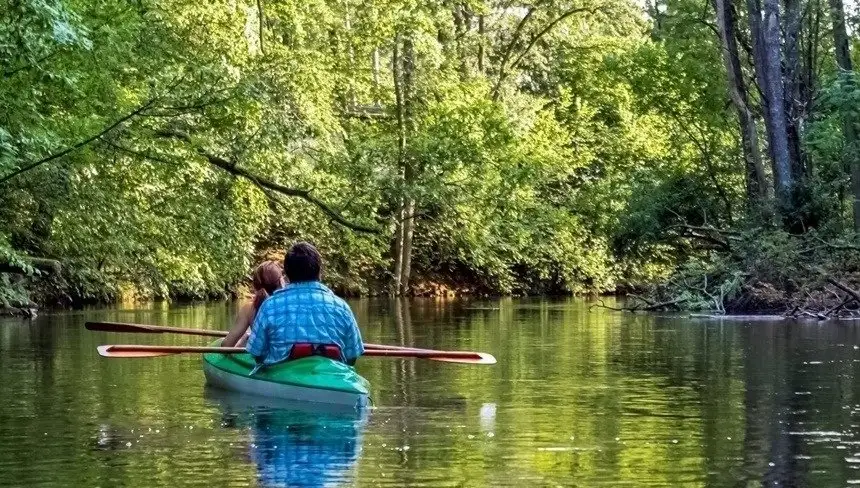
x: 548, y: 28
x: 263, y: 183
x: 261, y: 18
x: 509, y: 50
x: 12, y: 72
x: 532, y: 42
x: 45, y: 265
x: 35, y: 164
x: 853, y: 293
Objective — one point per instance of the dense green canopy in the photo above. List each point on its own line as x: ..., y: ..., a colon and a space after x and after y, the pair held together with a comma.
x: 162, y: 147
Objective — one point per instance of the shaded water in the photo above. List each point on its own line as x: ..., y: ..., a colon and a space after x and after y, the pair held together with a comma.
x: 579, y: 398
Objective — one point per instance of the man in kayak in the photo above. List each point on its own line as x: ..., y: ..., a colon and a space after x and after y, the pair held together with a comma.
x: 303, y: 312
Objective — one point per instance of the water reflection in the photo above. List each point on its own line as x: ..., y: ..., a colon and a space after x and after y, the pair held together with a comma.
x: 579, y: 397
x: 293, y: 443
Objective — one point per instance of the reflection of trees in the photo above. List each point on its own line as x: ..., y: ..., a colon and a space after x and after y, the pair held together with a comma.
x: 767, y: 446
x: 794, y: 392
x: 404, y: 370
x: 568, y: 383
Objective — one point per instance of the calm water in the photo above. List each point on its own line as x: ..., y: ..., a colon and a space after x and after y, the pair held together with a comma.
x: 579, y: 398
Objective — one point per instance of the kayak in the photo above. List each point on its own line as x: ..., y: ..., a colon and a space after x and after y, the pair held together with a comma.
x: 312, y: 379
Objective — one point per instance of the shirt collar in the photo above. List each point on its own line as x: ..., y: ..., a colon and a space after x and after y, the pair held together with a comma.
x: 302, y: 285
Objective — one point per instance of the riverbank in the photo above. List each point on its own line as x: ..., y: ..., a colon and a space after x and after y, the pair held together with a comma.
x: 753, y: 273
x: 760, y: 271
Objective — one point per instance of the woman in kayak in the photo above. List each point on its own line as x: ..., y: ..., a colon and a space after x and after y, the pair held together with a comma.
x: 266, y: 279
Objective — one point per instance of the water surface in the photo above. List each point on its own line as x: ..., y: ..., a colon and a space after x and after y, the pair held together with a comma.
x: 580, y: 397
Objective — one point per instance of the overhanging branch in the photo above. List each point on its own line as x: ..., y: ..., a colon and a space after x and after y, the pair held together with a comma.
x: 509, y: 50
x: 266, y: 184
x: 35, y: 164
x: 548, y: 28
x: 503, y: 73
x: 44, y: 265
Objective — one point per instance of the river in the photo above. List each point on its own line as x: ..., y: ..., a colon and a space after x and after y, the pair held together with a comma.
x: 579, y: 397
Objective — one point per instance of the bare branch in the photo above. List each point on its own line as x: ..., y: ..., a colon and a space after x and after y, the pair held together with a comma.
x: 35, y: 164
x: 509, y: 50
x: 44, y: 265
x: 845, y: 288
x: 548, y: 28
x: 502, y: 72
x: 263, y: 183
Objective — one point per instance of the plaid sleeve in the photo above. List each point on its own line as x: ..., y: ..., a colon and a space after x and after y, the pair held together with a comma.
x: 257, y: 345
x: 353, y: 345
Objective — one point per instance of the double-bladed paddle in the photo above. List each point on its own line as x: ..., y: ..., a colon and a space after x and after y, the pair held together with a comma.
x: 144, y: 351
x: 160, y: 329
x: 377, y: 350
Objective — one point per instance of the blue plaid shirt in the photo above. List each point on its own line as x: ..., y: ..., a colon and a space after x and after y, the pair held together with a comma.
x: 303, y: 312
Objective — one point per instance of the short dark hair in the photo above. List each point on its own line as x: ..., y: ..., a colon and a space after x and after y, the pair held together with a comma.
x: 303, y: 263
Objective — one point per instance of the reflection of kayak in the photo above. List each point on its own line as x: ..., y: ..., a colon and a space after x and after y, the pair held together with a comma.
x: 311, y: 379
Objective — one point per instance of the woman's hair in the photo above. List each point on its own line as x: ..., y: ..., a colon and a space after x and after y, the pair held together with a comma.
x: 266, y: 278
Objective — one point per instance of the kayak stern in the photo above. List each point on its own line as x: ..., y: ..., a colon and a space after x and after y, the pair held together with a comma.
x: 313, y: 379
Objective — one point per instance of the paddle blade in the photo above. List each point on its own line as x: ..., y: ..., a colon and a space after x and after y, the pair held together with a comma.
x: 463, y: 357
x: 119, y: 327
x: 144, y: 351
x: 150, y: 329
x: 108, y: 352
x: 482, y: 358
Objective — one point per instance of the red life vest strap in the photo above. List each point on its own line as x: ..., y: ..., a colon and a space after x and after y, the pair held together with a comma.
x: 305, y: 349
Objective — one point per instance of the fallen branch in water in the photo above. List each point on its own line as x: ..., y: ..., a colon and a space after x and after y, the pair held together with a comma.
x: 649, y: 307
x: 839, y: 307
x: 845, y: 288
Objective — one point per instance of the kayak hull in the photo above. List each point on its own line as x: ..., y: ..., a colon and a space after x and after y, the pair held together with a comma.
x: 314, y: 379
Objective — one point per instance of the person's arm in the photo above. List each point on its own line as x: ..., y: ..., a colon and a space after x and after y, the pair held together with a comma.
x: 240, y: 326
x: 353, y: 344
x: 257, y: 344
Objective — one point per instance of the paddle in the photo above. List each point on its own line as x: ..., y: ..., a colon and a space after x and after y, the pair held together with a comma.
x: 144, y: 351
x: 159, y: 329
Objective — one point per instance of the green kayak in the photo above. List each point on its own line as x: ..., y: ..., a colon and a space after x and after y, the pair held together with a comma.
x: 312, y: 379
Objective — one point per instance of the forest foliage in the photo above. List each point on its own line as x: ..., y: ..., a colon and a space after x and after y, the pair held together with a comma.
x: 160, y: 148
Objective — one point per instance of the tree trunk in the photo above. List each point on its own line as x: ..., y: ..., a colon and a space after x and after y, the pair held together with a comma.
x: 403, y: 66
x: 408, y: 165
x: 481, y: 42
x: 756, y: 182
x: 757, y: 41
x: 398, y: 248
x: 408, y: 231
x: 261, y: 18
x: 375, y: 69
x: 460, y: 29
x: 401, y: 150
x: 775, y: 117
x: 849, y: 127
x: 794, y: 106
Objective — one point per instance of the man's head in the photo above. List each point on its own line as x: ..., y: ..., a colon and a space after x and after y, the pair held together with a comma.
x: 303, y: 263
